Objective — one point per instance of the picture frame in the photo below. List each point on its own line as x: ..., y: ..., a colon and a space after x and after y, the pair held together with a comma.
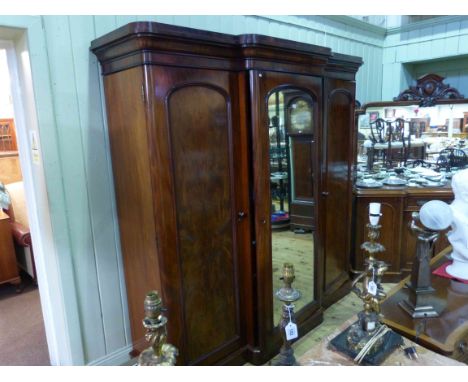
x: 373, y: 116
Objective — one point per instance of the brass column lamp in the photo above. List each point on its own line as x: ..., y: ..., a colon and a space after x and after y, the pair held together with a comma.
x: 160, y: 353
x: 426, y: 225
x: 287, y: 295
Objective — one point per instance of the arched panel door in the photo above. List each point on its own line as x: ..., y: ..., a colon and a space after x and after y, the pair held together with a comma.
x: 336, y: 195
x: 202, y: 208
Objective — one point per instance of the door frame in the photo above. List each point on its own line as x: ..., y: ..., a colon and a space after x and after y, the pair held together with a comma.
x: 54, y: 267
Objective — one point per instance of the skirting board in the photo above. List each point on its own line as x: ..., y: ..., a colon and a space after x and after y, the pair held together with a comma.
x: 115, y: 358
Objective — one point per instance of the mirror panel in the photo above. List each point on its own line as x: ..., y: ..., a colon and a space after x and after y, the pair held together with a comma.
x: 428, y: 130
x: 291, y: 133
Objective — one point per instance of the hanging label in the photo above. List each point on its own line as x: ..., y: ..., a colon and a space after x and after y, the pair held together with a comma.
x: 291, y: 331
x: 370, y: 326
x: 372, y: 288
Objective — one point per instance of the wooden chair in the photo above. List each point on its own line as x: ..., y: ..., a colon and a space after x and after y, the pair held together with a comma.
x: 451, y: 157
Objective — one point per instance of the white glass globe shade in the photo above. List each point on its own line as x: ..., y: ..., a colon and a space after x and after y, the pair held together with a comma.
x: 436, y: 215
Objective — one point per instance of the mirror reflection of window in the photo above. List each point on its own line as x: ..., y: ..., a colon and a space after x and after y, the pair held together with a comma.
x: 290, y: 113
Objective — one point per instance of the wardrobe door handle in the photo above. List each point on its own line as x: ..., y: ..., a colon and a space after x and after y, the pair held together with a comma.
x: 241, y: 215
x: 325, y: 193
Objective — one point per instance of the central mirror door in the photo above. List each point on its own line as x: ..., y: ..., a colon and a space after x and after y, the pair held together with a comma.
x: 290, y: 130
x: 287, y: 120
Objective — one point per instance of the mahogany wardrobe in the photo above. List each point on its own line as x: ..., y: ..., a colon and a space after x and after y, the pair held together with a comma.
x: 215, y: 139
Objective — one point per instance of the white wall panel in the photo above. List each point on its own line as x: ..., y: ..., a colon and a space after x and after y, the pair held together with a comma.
x: 430, y: 42
x: 70, y: 135
x: 98, y: 178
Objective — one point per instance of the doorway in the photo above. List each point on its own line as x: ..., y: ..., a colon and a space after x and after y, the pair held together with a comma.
x: 56, y: 320
x: 19, y: 293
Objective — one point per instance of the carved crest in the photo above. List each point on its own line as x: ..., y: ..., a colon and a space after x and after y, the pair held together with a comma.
x: 428, y: 90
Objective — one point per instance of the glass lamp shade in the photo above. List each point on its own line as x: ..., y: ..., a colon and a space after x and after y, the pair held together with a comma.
x: 436, y: 215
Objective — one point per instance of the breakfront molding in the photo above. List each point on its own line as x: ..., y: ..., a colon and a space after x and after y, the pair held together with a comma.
x: 189, y: 132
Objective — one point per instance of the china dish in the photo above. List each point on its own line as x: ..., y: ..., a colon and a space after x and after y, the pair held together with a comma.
x: 394, y: 181
x: 369, y: 183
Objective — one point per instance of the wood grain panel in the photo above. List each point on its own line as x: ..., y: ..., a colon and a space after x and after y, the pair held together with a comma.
x: 133, y: 189
x: 338, y: 157
x: 199, y: 164
x: 10, y: 170
x: 200, y: 146
x: 302, y: 168
x: 302, y: 195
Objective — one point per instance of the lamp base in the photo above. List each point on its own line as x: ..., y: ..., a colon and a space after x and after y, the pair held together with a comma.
x: 285, y: 358
x: 377, y: 355
x: 422, y: 311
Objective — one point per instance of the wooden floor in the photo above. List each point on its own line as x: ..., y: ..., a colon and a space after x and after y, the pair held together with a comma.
x: 297, y: 249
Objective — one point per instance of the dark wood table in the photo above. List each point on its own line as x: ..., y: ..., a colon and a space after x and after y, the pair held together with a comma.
x: 446, y: 334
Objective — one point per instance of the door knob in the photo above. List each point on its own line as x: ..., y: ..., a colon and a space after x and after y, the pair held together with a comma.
x: 241, y: 215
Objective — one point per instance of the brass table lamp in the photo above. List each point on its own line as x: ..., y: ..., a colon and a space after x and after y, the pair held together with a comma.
x: 287, y: 295
x: 160, y: 353
x: 367, y: 339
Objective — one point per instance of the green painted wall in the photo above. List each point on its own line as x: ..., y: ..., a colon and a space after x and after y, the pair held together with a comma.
x: 434, y: 46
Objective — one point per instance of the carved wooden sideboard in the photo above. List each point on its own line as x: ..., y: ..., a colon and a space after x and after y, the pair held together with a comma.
x: 189, y: 131
x: 397, y: 205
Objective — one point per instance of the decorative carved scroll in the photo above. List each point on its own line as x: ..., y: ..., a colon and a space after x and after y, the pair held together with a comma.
x: 428, y: 90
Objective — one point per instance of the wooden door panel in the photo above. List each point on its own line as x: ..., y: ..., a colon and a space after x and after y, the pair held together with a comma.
x: 302, y: 189
x: 201, y: 169
x: 197, y: 178
x: 133, y: 192
x: 336, y: 185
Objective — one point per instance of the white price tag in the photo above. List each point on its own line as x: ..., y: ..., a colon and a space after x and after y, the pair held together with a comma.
x: 372, y: 288
x: 370, y: 326
x: 291, y: 331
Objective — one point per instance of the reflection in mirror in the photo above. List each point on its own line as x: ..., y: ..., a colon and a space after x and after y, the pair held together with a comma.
x: 291, y: 129
x: 427, y: 131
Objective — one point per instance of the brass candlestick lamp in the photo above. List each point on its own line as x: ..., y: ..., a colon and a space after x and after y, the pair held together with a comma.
x: 371, y: 292
x: 159, y: 353
x: 367, y: 339
x: 287, y: 295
